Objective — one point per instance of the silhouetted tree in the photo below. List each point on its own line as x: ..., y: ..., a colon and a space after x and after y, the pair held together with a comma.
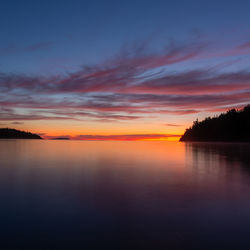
x: 8, y: 133
x: 230, y: 126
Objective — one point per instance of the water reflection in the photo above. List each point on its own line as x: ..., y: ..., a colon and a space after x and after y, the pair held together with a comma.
x: 224, y: 162
x: 124, y: 194
x: 232, y: 153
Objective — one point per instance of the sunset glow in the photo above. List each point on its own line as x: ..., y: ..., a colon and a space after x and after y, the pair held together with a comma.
x: 124, y: 124
x: 138, y: 87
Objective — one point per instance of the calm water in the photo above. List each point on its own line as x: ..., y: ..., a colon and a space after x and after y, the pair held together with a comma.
x: 124, y: 195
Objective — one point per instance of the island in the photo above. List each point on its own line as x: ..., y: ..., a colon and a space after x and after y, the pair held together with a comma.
x: 232, y: 126
x: 9, y: 133
x: 61, y: 138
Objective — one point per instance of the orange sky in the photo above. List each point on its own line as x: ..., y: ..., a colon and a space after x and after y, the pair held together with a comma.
x: 72, y: 129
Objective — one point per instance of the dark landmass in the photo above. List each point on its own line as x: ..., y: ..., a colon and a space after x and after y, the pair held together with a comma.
x: 61, y: 138
x: 8, y: 133
x: 233, y: 126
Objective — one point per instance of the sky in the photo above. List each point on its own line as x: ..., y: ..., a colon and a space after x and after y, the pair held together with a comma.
x: 121, y: 70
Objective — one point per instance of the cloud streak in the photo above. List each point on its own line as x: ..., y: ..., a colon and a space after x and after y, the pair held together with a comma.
x: 126, y: 137
x: 134, y: 85
x: 172, y: 125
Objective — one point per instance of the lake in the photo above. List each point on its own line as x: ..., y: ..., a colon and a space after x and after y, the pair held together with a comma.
x: 124, y: 195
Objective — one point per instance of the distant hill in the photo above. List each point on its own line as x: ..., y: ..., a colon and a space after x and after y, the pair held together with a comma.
x: 61, y: 138
x: 232, y: 126
x: 8, y: 133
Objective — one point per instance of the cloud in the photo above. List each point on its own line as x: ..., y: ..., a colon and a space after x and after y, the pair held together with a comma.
x: 118, y: 106
x: 12, y: 115
x: 29, y: 117
x: 242, y: 48
x: 110, y: 116
x: 17, y: 123
x: 190, y: 82
x: 133, y: 85
x: 172, y: 125
x: 118, y: 73
x: 194, y: 82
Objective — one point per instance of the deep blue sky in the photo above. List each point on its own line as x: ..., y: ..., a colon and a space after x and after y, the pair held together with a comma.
x: 67, y: 34
x: 80, y: 68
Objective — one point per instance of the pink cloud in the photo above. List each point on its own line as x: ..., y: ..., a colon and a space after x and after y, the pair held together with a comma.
x: 126, y: 88
x: 172, y: 125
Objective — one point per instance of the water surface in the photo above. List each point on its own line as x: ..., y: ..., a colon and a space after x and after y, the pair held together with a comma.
x: 124, y: 195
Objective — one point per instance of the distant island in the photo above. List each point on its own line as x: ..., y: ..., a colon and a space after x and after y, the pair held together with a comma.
x: 61, y: 138
x: 9, y: 133
x: 232, y: 126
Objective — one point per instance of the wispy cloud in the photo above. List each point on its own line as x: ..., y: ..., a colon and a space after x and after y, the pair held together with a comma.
x: 172, y: 125
x: 17, y: 123
x: 133, y: 85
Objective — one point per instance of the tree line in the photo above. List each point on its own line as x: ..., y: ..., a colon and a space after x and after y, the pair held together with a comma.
x: 234, y: 126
